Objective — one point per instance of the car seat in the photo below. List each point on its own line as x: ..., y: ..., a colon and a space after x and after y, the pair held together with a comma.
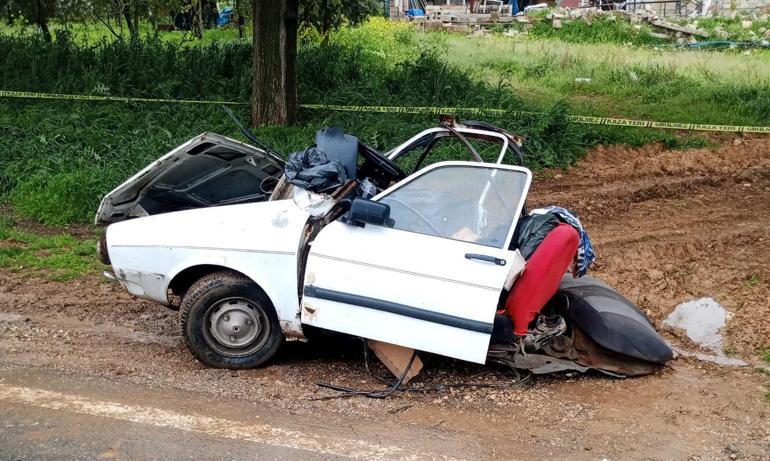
x: 339, y: 146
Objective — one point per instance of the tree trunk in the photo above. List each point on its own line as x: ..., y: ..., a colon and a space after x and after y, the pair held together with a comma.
x: 130, y: 13
x: 274, y: 53
x: 116, y: 9
x: 239, y: 18
x: 198, y: 21
x: 130, y: 24
x: 325, y: 21
x: 41, y: 19
x: 153, y: 13
x: 43, y: 24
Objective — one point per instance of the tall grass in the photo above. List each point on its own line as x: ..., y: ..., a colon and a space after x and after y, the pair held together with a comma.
x: 602, y: 29
x: 58, y: 158
x: 145, y: 68
x: 58, y: 257
x: 610, y: 80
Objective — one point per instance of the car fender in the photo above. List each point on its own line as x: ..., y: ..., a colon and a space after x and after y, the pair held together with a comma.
x: 286, y: 307
x: 259, y: 240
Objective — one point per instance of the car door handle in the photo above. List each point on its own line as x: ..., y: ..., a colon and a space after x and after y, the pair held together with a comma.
x: 487, y: 258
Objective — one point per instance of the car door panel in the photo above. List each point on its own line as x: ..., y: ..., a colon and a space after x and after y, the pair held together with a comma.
x: 393, y: 296
x: 409, y: 288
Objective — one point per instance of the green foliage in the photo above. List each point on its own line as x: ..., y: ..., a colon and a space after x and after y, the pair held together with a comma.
x: 325, y: 15
x: 755, y: 99
x: 734, y: 26
x: 58, y: 157
x: 601, y: 29
x: 38, y: 12
x: 60, y: 197
x: 57, y: 257
x: 132, y: 18
x: 617, y: 29
x: 128, y: 68
x: 621, y: 81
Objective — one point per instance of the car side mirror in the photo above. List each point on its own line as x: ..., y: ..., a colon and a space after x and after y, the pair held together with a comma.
x: 363, y: 211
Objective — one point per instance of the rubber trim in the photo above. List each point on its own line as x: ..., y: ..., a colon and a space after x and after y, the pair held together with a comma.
x: 399, y: 309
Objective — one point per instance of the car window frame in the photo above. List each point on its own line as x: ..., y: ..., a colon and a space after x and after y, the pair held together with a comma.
x: 456, y: 163
x: 471, y: 133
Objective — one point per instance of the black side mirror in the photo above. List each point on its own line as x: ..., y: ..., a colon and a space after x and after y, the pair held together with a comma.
x: 363, y: 211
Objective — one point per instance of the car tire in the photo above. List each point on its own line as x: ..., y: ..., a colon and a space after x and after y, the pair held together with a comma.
x: 227, y: 321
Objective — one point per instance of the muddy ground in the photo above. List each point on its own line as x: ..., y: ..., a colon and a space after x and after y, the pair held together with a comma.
x: 668, y: 226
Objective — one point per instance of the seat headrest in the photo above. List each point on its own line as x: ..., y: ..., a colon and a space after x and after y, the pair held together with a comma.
x: 339, y: 146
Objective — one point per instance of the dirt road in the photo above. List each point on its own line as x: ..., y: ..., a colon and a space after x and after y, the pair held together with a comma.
x: 87, y: 372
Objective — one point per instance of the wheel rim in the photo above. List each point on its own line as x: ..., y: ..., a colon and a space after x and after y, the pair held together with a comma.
x: 236, y: 327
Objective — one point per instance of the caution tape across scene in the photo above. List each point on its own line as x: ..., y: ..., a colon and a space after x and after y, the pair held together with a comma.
x: 407, y: 110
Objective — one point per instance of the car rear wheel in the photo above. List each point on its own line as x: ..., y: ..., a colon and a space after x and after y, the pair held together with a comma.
x: 227, y: 321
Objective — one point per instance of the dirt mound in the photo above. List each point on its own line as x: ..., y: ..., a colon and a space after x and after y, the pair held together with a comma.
x: 674, y: 225
x: 90, y: 300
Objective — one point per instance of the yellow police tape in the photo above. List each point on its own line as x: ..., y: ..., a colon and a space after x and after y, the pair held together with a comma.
x: 88, y: 97
x: 409, y: 110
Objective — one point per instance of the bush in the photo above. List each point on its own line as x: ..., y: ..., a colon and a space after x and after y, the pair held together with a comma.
x: 58, y: 198
x: 60, y: 157
x: 144, y: 68
x: 600, y: 29
x: 755, y: 100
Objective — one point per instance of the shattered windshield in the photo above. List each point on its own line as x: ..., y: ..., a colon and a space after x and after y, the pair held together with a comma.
x: 467, y: 203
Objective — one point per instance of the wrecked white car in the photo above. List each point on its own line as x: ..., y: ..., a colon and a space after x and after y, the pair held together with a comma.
x: 413, y: 248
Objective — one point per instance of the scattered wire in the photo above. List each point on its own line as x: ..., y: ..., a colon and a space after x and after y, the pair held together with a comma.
x: 396, y: 386
x: 348, y: 392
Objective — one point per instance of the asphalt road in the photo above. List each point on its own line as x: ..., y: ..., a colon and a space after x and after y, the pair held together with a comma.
x: 46, y: 415
x: 34, y: 433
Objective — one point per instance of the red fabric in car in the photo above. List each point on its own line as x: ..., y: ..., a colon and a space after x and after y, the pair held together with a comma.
x: 541, y: 277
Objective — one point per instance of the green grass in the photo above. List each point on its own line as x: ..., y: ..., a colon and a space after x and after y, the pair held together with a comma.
x: 617, y: 29
x: 734, y: 27
x: 58, y: 257
x: 152, y: 68
x: 682, y: 86
x: 60, y: 179
x: 603, y: 29
x: 58, y: 158
x: 599, y: 29
x: 94, y: 32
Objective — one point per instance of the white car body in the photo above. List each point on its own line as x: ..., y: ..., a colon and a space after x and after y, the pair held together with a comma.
x: 388, y: 284
x: 148, y: 253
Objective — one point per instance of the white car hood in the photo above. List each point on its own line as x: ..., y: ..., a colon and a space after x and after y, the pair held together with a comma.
x: 206, y: 171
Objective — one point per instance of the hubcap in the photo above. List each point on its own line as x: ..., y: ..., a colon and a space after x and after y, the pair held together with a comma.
x: 236, y: 327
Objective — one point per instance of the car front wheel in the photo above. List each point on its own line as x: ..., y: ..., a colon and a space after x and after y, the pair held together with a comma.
x: 227, y: 321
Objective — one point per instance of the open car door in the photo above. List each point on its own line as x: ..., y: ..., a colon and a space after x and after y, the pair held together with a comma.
x: 433, y: 280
